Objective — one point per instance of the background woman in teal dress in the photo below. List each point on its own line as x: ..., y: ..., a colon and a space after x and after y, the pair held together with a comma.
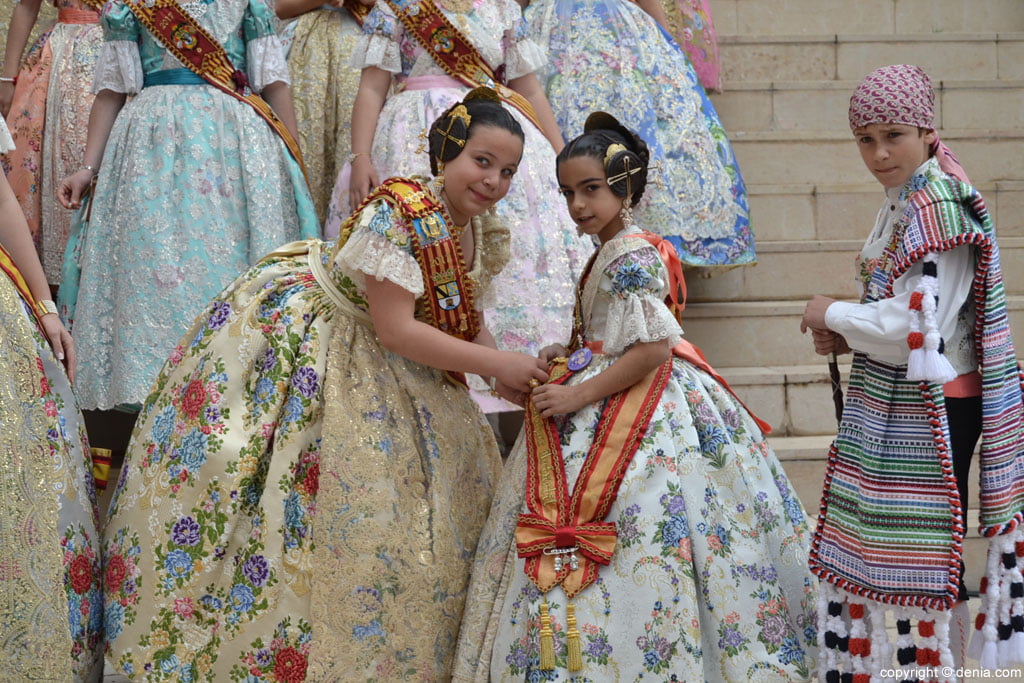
x: 192, y: 187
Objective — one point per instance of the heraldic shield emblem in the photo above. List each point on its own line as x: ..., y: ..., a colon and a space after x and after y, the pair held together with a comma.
x: 448, y: 295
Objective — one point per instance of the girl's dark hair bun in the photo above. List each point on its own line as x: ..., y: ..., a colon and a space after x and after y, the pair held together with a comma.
x: 622, y: 152
x: 448, y: 134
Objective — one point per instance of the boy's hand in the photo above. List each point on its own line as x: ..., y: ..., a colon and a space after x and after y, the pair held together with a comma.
x: 827, y: 341
x: 814, y: 313
x: 556, y: 399
x: 551, y: 352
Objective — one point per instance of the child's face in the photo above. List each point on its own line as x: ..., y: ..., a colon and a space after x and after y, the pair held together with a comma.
x: 893, y: 151
x: 475, y: 180
x: 591, y: 203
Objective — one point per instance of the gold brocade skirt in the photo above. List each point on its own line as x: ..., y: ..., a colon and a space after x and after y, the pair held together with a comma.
x: 298, y: 503
x: 323, y: 89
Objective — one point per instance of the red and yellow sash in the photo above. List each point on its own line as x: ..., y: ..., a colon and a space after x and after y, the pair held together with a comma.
x: 358, y: 10
x: 453, y: 52
x: 560, y: 520
x: 194, y: 47
x: 448, y: 292
x: 8, y: 266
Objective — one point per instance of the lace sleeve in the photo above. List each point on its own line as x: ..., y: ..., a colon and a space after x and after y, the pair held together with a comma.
x: 118, y: 68
x: 495, y: 252
x: 522, y: 55
x: 636, y: 284
x: 265, y: 62
x: 380, y: 246
x: 379, y: 46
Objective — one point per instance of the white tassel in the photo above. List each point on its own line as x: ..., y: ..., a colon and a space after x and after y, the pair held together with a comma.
x: 881, y: 648
x: 942, y: 622
x: 989, y: 658
x: 926, y: 364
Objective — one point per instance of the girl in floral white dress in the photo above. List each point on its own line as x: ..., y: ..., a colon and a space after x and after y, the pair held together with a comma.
x: 643, y: 526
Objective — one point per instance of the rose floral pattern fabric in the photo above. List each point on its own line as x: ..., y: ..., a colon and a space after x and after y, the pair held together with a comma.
x: 297, y: 503
x: 51, y: 589
x: 708, y: 580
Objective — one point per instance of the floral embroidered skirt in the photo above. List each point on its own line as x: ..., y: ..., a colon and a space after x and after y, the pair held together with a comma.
x: 51, y: 605
x: 297, y: 503
x: 709, y: 579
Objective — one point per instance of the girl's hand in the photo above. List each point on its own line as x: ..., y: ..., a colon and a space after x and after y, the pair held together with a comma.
x: 510, y: 394
x: 6, y: 96
x: 61, y: 341
x: 363, y: 179
x: 71, y: 189
x: 557, y: 399
x: 551, y: 352
x: 517, y: 369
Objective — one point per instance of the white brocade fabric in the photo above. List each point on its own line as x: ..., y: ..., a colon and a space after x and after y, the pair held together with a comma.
x: 118, y: 68
x: 266, y: 62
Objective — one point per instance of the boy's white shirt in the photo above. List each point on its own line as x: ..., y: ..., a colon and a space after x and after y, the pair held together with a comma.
x: 880, y: 328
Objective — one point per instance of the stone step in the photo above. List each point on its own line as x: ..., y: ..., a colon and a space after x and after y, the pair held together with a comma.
x: 799, y: 269
x: 747, y: 17
x: 767, y: 333
x: 982, y: 56
x: 805, y: 157
x: 836, y: 212
x: 823, y: 105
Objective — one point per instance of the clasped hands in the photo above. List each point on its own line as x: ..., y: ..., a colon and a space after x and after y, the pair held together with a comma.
x: 825, y: 340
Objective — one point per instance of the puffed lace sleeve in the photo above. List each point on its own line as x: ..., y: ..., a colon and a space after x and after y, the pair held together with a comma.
x: 381, y: 247
x: 379, y: 45
x: 265, y: 60
x: 636, y: 284
x: 522, y: 55
x: 494, y: 247
x: 119, y: 66
x: 6, y: 143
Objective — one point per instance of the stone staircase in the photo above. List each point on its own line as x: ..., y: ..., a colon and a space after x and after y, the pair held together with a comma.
x: 789, y: 67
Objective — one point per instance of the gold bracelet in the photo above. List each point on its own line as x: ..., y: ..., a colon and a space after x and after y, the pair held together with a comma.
x: 45, y: 307
x: 352, y: 158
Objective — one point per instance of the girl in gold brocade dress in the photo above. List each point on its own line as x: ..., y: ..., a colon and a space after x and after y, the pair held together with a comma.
x: 322, y: 41
x: 51, y: 603
x: 303, y: 493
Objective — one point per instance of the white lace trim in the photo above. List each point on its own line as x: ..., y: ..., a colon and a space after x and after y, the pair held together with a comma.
x: 373, y: 255
x: 265, y: 62
x: 118, y: 68
x: 634, y: 319
x: 523, y: 58
x: 6, y: 142
x: 376, y: 50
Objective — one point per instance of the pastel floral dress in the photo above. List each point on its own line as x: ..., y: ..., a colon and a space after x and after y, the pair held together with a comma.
x: 51, y: 589
x: 708, y: 581
x: 610, y: 55
x: 194, y: 187
x: 547, y: 254
x: 297, y: 503
x: 49, y: 119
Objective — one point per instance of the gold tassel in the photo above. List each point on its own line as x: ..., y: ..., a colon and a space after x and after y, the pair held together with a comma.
x: 547, y: 640
x: 575, y: 654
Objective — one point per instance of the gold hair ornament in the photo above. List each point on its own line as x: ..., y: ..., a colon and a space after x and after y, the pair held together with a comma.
x: 460, y: 113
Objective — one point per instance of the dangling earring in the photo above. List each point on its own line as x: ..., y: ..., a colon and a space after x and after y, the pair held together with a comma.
x: 439, y: 178
x: 626, y: 213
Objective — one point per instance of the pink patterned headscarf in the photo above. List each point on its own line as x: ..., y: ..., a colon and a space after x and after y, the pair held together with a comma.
x: 901, y: 93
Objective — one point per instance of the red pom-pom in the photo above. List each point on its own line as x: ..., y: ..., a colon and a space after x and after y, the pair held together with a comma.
x: 860, y: 647
x: 984, y: 585
x: 856, y: 610
x: 926, y: 628
x: 915, y: 340
x: 979, y: 621
x: 915, y: 301
x: 1018, y: 548
x: 861, y: 678
x: 922, y: 656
